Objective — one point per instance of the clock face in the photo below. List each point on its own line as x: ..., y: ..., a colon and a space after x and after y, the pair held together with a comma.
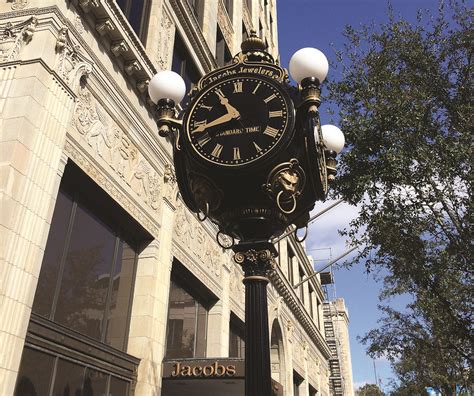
x: 239, y: 120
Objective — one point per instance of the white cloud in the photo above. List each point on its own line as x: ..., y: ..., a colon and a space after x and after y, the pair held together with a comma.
x: 323, y: 232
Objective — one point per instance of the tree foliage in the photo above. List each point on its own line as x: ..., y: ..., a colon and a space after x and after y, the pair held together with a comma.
x: 369, y: 390
x: 404, y: 97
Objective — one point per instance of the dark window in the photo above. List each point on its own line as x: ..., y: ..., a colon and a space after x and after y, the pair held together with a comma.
x: 45, y: 374
x: 297, y: 381
x: 187, y: 324
x: 260, y: 29
x: 311, y: 294
x: 183, y: 64
x: 318, y: 307
x: 197, y: 7
x: 301, y: 287
x: 137, y: 12
x: 236, y: 338
x: 291, y: 258
x: 223, y: 55
x: 312, y: 390
x: 229, y: 4
x: 87, y: 276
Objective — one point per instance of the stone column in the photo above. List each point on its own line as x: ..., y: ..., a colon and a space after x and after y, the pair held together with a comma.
x: 148, y: 324
x: 35, y: 110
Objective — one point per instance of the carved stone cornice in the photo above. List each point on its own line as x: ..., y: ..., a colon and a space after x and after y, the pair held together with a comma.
x: 194, y: 34
x: 281, y: 284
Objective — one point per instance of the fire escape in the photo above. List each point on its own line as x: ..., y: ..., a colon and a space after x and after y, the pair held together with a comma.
x: 330, y: 318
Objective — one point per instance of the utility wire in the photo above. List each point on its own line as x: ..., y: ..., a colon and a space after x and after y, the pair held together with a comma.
x: 290, y: 231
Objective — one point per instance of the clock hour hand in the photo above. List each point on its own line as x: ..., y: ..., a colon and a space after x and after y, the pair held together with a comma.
x: 232, y: 113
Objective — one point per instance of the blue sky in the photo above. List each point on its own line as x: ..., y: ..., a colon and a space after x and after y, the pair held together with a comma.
x: 319, y: 24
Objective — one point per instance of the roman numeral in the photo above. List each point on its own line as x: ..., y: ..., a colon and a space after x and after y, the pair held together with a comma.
x: 256, y: 88
x: 204, y: 139
x: 271, y: 131
x: 217, y: 151
x: 270, y: 98
x: 257, y: 147
x: 199, y: 126
x: 203, y: 106
x: 219, y: 93
x: 236, y: 153
x: 238, y: 86
x: 277, y: 113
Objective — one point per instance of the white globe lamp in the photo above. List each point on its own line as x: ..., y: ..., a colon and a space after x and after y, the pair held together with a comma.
x: 333, y: 138
x: 167, y: 85
x: 308, y: 62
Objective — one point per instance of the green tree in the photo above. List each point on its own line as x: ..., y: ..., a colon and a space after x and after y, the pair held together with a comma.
x: 404, y: 98
x: 369, y: 390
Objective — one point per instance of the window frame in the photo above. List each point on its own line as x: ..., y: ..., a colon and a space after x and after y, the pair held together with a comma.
x: 144, y: 18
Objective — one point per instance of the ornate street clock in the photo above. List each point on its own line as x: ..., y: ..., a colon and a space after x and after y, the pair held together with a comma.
x: 239, y: 121
x: 242, y: 154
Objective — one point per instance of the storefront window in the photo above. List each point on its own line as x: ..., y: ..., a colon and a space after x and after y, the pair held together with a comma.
x: 86, y: 280
x: 87, y: 295
x: 187, y: 325
x: 60, y: 377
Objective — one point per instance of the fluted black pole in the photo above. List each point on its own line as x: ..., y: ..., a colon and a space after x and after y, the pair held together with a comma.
x: 256, y: 259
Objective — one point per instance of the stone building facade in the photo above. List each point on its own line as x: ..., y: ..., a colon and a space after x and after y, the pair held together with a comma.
x: 106, y: 279
x: 336, y: 325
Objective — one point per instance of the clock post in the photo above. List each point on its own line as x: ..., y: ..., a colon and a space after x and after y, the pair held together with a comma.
x: 251, y: 156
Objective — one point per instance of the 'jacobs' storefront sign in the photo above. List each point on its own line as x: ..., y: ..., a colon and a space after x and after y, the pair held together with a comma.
x: 193, y: 368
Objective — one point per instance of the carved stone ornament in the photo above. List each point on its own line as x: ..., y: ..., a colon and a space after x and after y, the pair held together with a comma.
x: 142, y: 86
x: 132, y: 67
x: 71, y: 64
x: 19, y: 4
x: 170, y: 185
x: 247, y: 18
x: 119, y: 47
x: 87, y: 5
x: 105, y: 26
x: 111, y: 144
x: 165, y: 40
x: 104, y: 181
x: 203, y: 248
x: 236, y: 286
x: 14, y: 36
x: 78, y: 24
x: 290, y: 329
x: 225, y: 23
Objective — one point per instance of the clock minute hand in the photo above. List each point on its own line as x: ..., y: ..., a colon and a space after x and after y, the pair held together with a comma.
x: 217, y: 121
